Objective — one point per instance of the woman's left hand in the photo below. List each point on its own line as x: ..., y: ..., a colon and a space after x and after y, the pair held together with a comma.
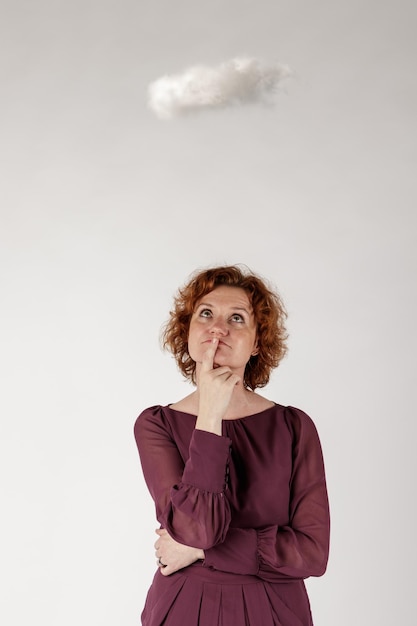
x: 173, y: 556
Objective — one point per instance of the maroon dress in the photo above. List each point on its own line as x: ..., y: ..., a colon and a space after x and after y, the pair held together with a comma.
x: 254, y: 499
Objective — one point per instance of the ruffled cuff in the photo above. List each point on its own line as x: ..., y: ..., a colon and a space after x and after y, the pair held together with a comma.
x: 266, y: 543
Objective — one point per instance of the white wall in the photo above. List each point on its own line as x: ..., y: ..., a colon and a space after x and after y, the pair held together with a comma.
x: 106, y: 210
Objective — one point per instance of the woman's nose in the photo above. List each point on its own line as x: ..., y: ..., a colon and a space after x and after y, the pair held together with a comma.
x: 219, y: 327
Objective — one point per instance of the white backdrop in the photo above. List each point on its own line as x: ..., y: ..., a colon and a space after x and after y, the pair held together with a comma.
x: 106, y: 210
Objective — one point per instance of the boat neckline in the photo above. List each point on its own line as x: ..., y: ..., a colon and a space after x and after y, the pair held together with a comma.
x: 235, y: 419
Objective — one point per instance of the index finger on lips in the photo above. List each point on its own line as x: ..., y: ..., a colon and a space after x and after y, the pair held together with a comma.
x: 208, y: 357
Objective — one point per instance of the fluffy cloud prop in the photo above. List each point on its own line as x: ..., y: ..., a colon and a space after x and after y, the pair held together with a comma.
x: 235, y: 82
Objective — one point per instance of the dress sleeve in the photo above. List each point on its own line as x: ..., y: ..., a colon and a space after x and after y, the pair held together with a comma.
x: 189, y: 497
x: 299, y: 548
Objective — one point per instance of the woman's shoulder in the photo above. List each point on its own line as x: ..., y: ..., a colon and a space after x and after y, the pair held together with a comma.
x: 151, y: 417
x: 294, y: 417
x: 161, y: 416
x: 296, y: 420
x: 300, y: 424
x: 149, y: 412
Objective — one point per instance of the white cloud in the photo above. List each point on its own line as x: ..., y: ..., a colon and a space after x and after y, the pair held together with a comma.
x: 235, y: 82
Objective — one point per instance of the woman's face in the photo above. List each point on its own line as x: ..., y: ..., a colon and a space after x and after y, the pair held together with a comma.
x: 225, y: 313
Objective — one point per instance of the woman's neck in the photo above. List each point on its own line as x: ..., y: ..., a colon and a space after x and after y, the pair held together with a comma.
x: 243, y: 403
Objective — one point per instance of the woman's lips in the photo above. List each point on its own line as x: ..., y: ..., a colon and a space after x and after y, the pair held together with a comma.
x: 221, y: 343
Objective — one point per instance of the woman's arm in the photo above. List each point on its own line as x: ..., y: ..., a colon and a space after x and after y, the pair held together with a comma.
x: 190, y: 502
x: 189, y: 499
x: 299, y: 548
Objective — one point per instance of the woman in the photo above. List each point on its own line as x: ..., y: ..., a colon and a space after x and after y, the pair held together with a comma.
x: 238, y: 481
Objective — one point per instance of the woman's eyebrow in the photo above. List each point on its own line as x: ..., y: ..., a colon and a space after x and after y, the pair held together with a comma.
x: 232, y: 308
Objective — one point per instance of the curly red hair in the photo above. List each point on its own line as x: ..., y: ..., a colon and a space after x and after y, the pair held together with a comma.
x: 268, y: 310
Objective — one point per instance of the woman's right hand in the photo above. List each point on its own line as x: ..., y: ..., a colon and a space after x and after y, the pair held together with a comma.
x: 215, y: 389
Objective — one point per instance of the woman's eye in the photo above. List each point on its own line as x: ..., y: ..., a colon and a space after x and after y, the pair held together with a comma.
x: 205, y: 313
x: 237, y: 318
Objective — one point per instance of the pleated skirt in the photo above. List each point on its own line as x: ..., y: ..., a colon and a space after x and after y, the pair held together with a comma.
x: 198, y: 596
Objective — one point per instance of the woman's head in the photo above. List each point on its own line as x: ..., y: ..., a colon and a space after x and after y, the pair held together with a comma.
x: 268, y: 310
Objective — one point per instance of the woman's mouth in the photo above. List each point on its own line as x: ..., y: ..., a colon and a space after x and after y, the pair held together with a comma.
x: 221, y: 343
